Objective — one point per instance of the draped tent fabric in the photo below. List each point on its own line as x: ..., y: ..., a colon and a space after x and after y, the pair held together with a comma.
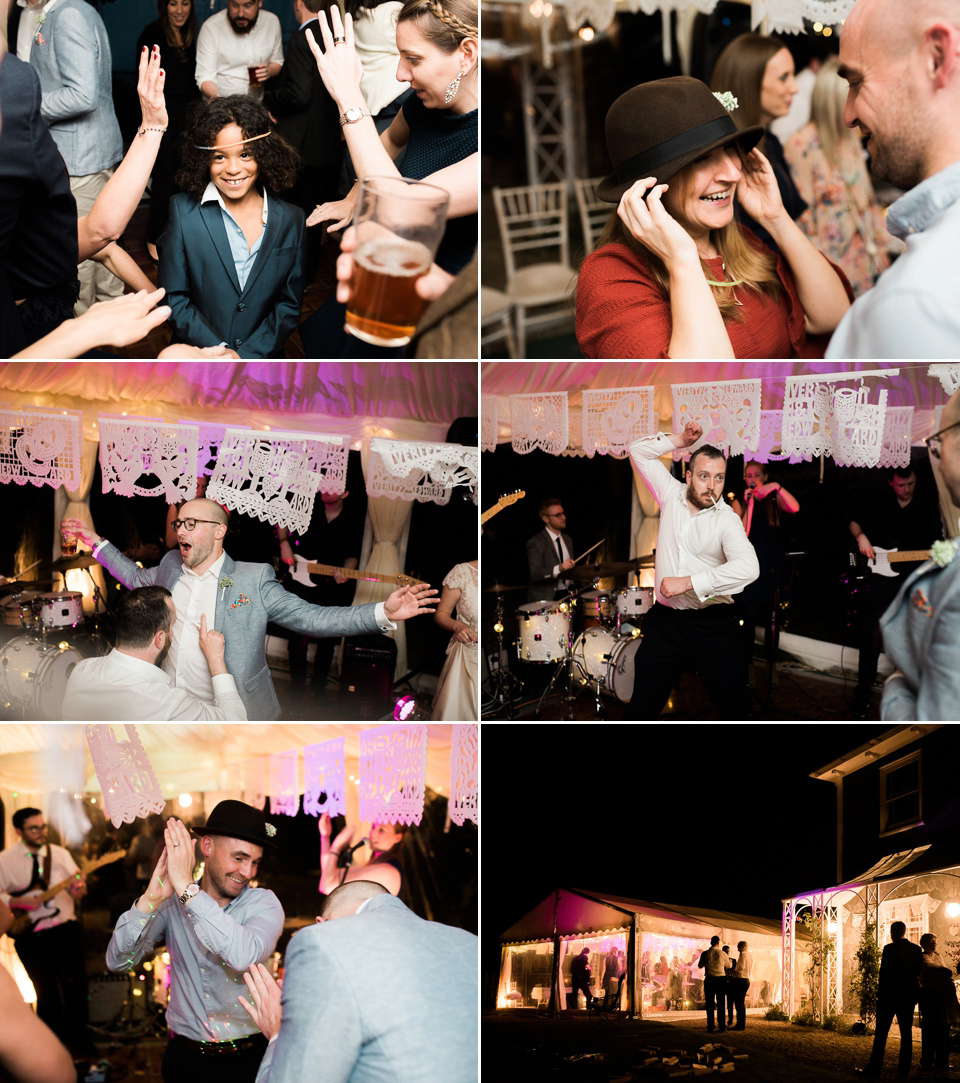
x: 399, y: 400
x: 911, y: 387
x: 37, y: 759
x: 76, y: 504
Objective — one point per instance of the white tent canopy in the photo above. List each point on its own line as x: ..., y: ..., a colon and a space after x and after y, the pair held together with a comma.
x: 37, y: 759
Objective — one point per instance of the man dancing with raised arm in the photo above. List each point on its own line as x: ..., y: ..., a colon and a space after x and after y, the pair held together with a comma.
x: 213, y: 930
x: 703, y: 557
x: 238, y: 599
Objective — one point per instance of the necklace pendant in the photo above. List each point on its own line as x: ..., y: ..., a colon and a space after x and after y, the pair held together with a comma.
x: 871, y: 248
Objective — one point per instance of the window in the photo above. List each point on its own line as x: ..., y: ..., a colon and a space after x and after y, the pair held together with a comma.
x: 900, y: 803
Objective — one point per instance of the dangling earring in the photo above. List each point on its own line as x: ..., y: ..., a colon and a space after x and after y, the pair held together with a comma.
x: 453, y: 88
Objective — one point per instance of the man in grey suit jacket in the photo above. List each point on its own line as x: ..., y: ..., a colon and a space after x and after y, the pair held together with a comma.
x: 543, y: 557
x: 238, y: 599
x: 379, y: 995
x: 921, y: 627
x: 71, y: 53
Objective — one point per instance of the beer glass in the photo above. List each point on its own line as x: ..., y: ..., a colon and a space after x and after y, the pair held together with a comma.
x: 68, y: 543
x: 252, y: 79
x: 399, y: 224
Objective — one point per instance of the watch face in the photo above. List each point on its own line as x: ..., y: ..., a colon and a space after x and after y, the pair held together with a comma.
x: 353, y: 114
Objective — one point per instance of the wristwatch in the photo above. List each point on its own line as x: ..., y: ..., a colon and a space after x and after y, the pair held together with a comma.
x: 352, y: 115
x: 188, y: 892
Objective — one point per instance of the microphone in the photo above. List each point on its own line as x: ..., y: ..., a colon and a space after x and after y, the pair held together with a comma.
x: 345, y: 857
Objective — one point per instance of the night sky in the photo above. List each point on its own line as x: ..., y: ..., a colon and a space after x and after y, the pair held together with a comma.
x: 721, y: 816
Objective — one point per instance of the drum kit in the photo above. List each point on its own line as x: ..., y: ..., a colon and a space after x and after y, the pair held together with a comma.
x: 590, y: 636
x: 49, y: 634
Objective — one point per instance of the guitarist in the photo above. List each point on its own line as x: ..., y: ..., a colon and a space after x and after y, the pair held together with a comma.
x: 333, y: 537
x: 892, y: 517
x: 52, y: 949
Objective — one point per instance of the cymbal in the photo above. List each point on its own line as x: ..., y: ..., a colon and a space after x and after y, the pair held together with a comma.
x: 82, y: 560
x: 24, y: 584
x: 592, y: 571
x: 500, y: 588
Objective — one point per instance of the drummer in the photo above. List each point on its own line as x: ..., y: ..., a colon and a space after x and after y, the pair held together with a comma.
x: 549, y: 553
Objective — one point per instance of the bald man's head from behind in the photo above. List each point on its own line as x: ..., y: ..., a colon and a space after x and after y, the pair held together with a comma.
x: 347, y: 898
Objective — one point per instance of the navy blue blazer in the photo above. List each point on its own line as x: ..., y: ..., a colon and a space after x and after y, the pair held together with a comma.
x: 203, y: 291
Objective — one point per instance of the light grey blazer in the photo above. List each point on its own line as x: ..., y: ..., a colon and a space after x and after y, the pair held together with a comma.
x: 921, y: 636
x: 243, y: 610
x: 377, y: 997
x: 72, y: 58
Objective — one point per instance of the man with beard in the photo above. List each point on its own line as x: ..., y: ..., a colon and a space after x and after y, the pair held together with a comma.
x: 239, y: 598
x: 214, y: 930
x: 234, y: 42
x: 703, y: 558
x: 902, y: 62
x: 128, y: 685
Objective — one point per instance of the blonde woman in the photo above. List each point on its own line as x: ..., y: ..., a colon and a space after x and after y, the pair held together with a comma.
x: 844, y: 218
x: 674, y: 275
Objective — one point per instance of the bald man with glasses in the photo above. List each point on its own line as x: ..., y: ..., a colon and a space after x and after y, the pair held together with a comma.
x: 921, y: 627
x: 238, y: 599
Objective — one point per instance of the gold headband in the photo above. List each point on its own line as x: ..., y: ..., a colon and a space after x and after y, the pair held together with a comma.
x: 239, y: 143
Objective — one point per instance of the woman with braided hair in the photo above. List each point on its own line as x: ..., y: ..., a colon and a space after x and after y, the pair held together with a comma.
x: 438, y: 42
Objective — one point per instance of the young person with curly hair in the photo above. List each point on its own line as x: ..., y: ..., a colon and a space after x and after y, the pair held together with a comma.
x: 231, y: 257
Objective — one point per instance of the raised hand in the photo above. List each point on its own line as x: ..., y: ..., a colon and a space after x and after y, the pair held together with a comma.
x: 338, y: 212
x: 338, y: 63
x: 151, y: 79
x: 409, y: 601
x: 181, y: 859
x: 429, y: 286
x: 83, y: 530
x: 692, y: 432
x: 642, y: 211
x: 758, y: 191
x: 212, y: 644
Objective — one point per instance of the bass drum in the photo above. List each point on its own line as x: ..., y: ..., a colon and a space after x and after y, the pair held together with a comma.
x: 34, y: 678
x: 608, y: 660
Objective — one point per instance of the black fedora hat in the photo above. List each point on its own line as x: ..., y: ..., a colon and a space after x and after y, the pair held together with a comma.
x: 657, y: 128
x: 239, y: 821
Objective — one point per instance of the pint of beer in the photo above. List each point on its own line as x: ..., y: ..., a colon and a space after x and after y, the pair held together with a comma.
x: 399, y: 225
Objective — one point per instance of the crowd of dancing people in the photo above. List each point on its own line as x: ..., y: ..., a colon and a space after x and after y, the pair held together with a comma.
x: 252, y: 158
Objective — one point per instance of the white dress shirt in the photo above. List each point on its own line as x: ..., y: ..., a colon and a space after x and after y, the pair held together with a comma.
x: 16, y: 870
x: 29, y: 27
x: 223, y: 55
x: 121, y: 688
x: 243, y: 257
x: 744, y: 965
x: 715, y: 963
x: 709, y: 546
x: 193, y: 595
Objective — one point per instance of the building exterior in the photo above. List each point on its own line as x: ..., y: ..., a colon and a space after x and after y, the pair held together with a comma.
x: 898, y: 859
x: 655, y: 946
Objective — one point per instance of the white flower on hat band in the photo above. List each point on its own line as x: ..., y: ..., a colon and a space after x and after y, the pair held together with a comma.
x: 270, y: 830
x: 727, y: 100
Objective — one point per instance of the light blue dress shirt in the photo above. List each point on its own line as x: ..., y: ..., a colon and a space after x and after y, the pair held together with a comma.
x: 243, y: 259
x: 914, y: 309
x: 210, y: 947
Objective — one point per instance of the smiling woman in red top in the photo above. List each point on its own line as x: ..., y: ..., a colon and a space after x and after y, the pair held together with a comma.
x: 674, y: 275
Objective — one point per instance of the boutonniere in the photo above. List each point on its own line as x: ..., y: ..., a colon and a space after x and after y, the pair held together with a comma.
x: 225, y: 581
x: 943, y: 552
x: 41, y: 18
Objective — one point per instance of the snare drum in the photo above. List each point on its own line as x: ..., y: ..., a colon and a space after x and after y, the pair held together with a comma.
x: 633, y: 602
x: 35, y: 677
x: 608, y: 660
x: 17, y: 610
x: 543, y: 635
x: 61, y: 609
x: 597, y: 608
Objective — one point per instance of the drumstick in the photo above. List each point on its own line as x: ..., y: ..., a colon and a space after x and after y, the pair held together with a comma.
x: 25, y: 570
x: 590, y: 550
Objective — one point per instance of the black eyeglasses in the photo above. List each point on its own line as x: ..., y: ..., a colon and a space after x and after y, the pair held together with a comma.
x: 935, y: 443
x: 189, y: 524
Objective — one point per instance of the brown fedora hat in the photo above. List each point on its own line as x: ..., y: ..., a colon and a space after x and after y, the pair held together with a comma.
x: 657, y: 128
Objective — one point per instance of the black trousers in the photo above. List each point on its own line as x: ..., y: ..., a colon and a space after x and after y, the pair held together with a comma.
x: 708, y: 640
x: 182, y: 1061
x: 888, y: 1009
x: 738, y: 994
x: 54, y: 961
x: 715, y: 991
x: 934, y: 1032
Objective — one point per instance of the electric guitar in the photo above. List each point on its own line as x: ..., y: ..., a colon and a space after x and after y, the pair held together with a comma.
x: 303, y: 568
x: 503, y: 502
x: 31, y: 917
x: 880, y: 565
